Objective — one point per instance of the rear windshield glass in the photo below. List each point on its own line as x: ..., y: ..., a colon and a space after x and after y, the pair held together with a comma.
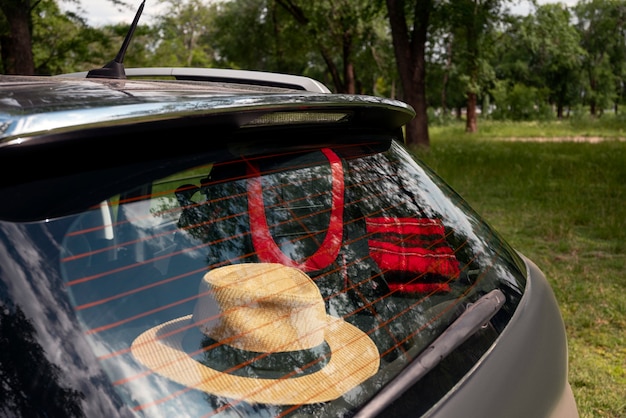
x: 269, y: 285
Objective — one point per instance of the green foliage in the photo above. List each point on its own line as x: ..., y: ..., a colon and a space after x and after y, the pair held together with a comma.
x: 599, y: 95
x: 461, y: 47
x: 607, y: 125
x: 183, y: 33
x: 520, y: 102
x: 375, y: 63
x: 602, y: 28
x: 542, y: 51
x: 62, y: 42
x: 437, y: 118
x: 344, y: 36
x: 260, y: 35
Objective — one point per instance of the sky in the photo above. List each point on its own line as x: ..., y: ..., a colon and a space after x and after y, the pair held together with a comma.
x: 103, y: 12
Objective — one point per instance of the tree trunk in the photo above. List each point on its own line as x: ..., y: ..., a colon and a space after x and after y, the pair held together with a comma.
x: 559, y: 111
x: 446, y: 77
x: 332, y: 69
x: 472, y: 28
x: 349, y: 80
x: 411, y: 62
x: 17, y: 51
x: 471, y: 123
x: 592, y: 105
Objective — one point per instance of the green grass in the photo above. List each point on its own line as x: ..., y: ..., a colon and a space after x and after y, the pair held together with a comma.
x: 563, y: 205
x: 609, y: 126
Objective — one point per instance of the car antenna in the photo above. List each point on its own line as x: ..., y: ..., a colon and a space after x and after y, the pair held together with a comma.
x: 115, y: 68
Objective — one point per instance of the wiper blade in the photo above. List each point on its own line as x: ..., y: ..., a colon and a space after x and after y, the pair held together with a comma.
x: 467, y: 324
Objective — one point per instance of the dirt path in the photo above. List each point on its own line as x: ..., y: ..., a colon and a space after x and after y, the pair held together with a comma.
x: 587, y: 139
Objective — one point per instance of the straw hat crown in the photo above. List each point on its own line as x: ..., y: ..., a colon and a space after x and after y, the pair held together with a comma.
x: 263, y: 307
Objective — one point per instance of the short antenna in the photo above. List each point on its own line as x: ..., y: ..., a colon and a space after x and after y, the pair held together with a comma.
x: 115, y: 68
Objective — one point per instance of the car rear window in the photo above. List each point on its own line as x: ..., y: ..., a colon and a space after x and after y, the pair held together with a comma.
x: 295, y: 282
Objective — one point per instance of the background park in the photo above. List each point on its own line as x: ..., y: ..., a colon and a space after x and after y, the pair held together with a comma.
x: 522, y: 114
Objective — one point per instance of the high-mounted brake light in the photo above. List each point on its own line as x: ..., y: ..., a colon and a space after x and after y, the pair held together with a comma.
x: 289, y: 118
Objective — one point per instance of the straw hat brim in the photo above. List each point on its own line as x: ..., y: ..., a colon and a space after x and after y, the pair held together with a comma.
x: 354, y: 358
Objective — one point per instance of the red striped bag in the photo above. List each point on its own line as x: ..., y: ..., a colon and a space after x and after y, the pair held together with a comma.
x: 412, y: 253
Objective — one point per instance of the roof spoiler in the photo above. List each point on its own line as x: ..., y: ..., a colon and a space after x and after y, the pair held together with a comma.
x: 115, y: 68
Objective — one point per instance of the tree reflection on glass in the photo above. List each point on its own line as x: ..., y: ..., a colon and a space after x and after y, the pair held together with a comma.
x: 31, y: 385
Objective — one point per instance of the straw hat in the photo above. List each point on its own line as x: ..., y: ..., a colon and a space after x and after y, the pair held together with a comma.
x: 260, y: 333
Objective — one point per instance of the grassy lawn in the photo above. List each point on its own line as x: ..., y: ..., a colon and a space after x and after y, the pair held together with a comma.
x: 563, y: 204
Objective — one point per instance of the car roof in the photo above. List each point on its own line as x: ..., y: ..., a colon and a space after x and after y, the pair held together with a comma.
x: 227, y: 75
x: 32, y: 106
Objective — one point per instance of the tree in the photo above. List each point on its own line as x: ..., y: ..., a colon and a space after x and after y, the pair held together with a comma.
x: 445, y: 79
x: 338, y: 30
x: 261, y: 35
x: 602, y: 28
x: 37, y: 38
x: 542, y: 52
x: 340, y: 43
x: 520, y: 102
x: 557, y: 54
x: 472, y: 23
x: 32, y: 386
x: 15, y: 39
x: 410, y: 52
x: 63, y: 42
x: 183, y: 29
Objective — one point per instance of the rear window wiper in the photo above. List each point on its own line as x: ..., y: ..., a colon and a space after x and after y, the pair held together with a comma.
x: 474, y: 317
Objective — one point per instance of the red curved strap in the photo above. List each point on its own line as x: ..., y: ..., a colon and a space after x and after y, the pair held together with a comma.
x: 262, y: 240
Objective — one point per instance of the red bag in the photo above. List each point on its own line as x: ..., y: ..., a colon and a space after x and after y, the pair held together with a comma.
x: 411, y: 252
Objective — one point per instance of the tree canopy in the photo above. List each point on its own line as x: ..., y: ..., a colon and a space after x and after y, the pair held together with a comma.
x: 470, y: 56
